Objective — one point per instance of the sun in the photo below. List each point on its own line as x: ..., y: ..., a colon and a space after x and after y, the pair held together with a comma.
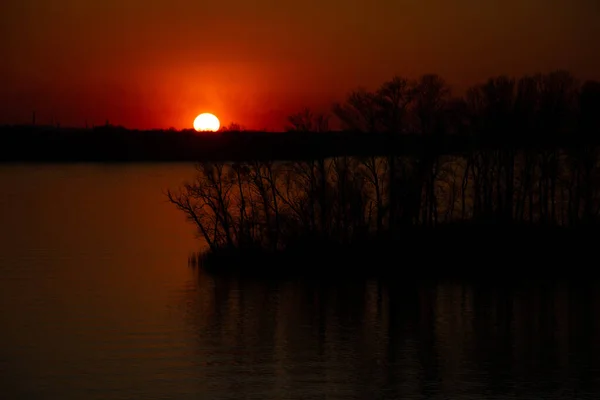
x: 207, y: 122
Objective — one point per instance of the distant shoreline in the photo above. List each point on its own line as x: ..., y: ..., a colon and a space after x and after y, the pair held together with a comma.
x: 32, y: 144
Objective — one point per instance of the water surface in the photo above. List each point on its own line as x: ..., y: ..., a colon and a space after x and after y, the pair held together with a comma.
x: 97, y: 302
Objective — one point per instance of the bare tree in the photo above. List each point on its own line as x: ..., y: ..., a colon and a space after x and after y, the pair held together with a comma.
x: 360, y: 112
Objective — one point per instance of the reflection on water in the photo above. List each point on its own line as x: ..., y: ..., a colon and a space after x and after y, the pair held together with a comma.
x: 375, y: 340
x: 97, y: 302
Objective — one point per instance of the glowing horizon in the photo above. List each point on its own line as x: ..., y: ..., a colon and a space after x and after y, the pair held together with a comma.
x: 155, y: 68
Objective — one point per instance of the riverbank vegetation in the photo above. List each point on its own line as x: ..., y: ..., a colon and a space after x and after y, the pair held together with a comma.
x: 371, y: 205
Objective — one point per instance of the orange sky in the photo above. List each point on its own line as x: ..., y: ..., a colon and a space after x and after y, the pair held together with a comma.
x: 157, y: 64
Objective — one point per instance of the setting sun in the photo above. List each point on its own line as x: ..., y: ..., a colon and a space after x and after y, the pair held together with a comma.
x: 207, y: 122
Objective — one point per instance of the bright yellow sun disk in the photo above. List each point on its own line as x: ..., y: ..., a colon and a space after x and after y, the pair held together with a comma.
x: 206, y: 122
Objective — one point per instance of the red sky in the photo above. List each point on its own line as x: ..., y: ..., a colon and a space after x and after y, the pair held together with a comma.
x: 157, y: 64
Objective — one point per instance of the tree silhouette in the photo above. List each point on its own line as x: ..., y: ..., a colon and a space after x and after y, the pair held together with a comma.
x: 360, y: 112
x: 233, y: 127
x: 307, y: 121
x: 511, y: 152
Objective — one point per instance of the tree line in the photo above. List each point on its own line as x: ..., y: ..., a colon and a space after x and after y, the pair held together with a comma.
x: 347, y: 199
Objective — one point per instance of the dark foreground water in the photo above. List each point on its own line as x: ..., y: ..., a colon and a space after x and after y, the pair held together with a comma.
x: 97, y: 302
